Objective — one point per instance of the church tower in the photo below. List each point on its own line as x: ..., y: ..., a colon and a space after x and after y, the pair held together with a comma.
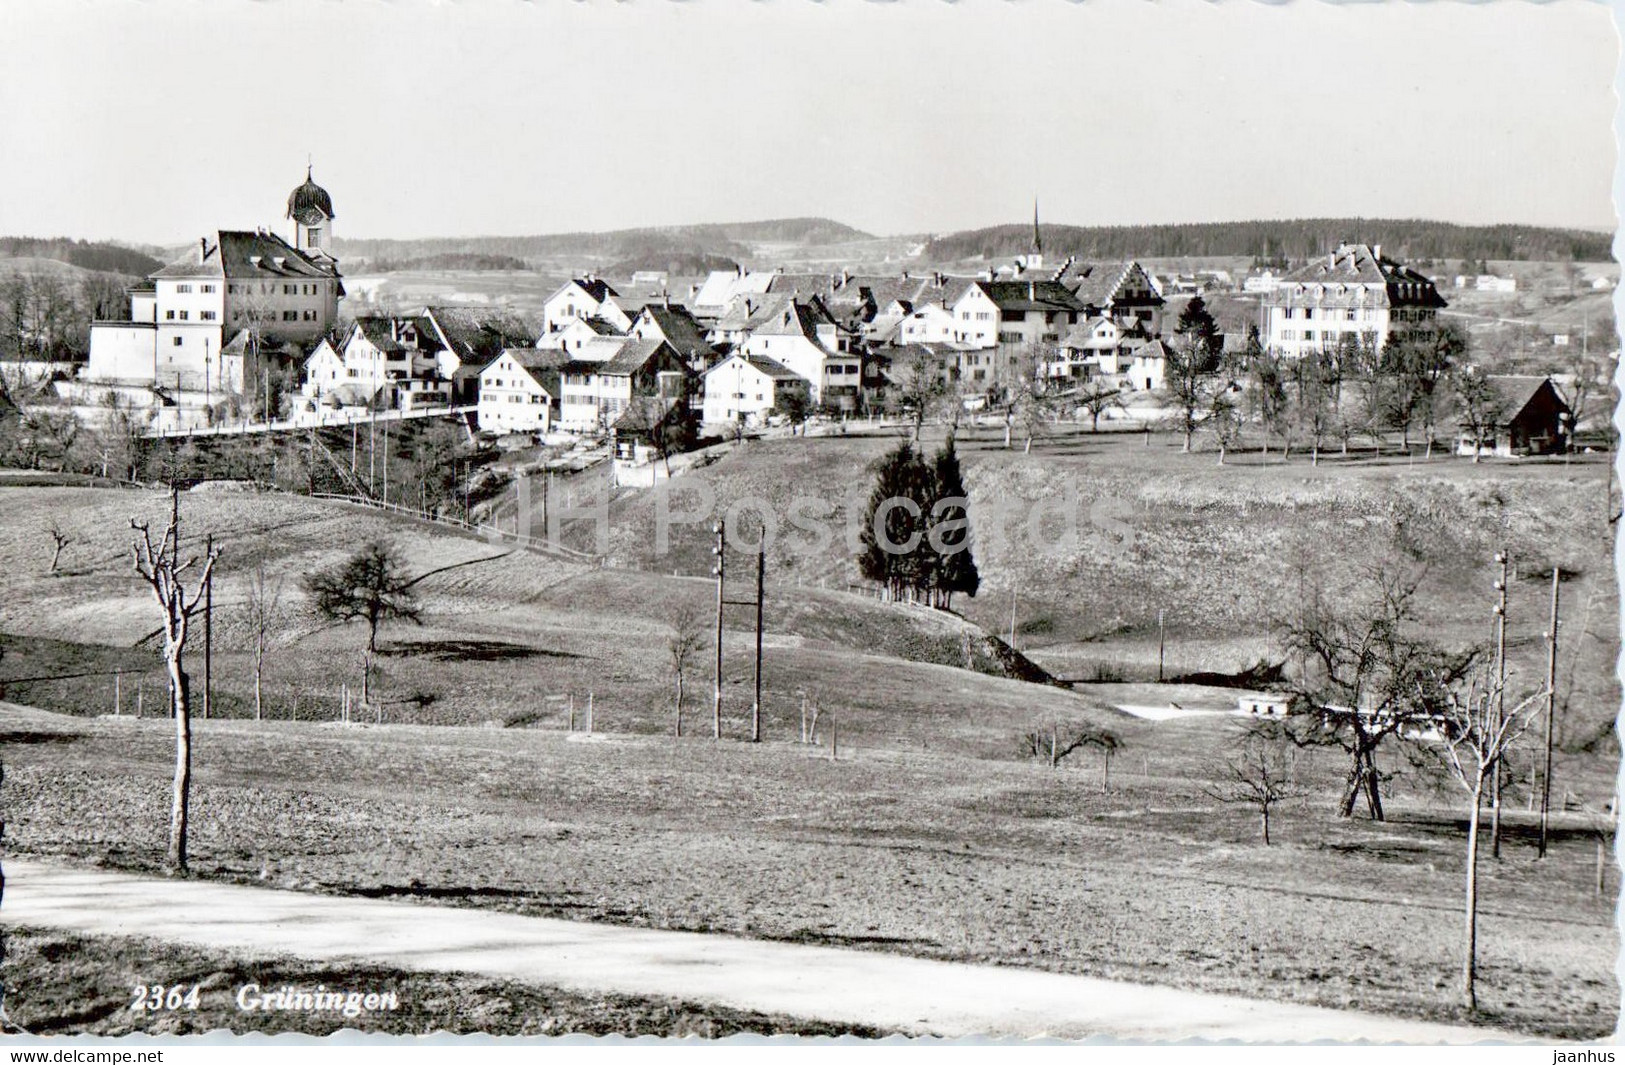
x: 311, y: 209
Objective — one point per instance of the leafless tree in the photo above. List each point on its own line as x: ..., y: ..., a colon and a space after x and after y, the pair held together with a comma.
x: 1097, y: 397
x: 688, y: 631
x: 1478, y: 405
x: 1260, y: 771
x: 162, y: 568
x: 1054, y: 741
x: 59, y: 541
x: 1360, y: 652
x: 370, y: 586
x: 1477, y: 730
x: 261, y: 607
x: 920, y: 388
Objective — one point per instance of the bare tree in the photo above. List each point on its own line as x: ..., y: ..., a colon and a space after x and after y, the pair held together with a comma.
x: 1479, y: 406
x: 260, y: 609
x: 1259, y: 772
x: 1361, y: 651
x: 920, y: 388
x: 59, y: 541
x: 1055, y: 740
x: 370, y: 586
x: 688, y: 629
x: 163, y: 570
x: 1477, y: 730
x: 1097, y: 397
x: 1224, y: 420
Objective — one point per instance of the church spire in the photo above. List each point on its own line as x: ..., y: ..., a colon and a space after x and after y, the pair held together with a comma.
x: 1038, y: 243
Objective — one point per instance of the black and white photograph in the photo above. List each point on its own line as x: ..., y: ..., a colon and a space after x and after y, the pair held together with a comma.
x: 828, y: 519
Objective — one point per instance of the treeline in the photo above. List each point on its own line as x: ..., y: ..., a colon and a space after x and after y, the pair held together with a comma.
x: 724, y: 239
x: 691, y: 263
x: 88, y: 255
x: 449, y: 261
x: 1294, y: 239
x: 45, y: 316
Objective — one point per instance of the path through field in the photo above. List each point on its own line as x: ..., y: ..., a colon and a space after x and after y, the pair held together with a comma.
x: 886, y: 991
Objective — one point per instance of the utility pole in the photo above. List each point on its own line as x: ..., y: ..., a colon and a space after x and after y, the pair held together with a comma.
x: 1551, y: 714
x: 756, y: 707
x: 386, y: 463
x: 208, y: 630
x: 1500, y: 699
x: 1160, y: 634
x: 717, y: 571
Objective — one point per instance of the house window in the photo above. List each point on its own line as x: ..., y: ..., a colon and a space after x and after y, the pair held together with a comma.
x: 288, y: 290
x: 290, y: 316
x: 184, y: 315
x: 1352, y: 314
x: 310, y: 316
x: 169, y: 315
x: 183, y: 288
x: 207, y: 316
x: 206, y: 288
x: 176, y: 341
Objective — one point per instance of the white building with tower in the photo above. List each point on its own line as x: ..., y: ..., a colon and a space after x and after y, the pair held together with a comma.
x: 206, y: 325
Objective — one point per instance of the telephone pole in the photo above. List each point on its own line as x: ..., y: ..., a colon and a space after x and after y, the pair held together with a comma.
x: 208, y: 629
x: 1500, y: 699
x: 717, y: 571
x: 1551, y: 714
x: 756, y: 707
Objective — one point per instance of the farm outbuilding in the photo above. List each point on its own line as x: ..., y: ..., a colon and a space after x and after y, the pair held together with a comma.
x: 1534, y: 419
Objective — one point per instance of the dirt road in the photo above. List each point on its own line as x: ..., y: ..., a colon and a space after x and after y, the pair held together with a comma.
x: 887, y: 991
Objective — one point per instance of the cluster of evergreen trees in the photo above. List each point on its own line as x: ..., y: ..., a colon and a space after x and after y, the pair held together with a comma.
x: 919, y: 504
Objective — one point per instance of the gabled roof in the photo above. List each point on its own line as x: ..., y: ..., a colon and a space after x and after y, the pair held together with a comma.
x: 721, y: 286
x: 1360, y: 264
x: 1030, y: 296
x: 595, y: 287
x: 771, y: 367
x: 1097, y: 284
x: 1517, y: 391
x: 479, y: 335
x: 634, y: 355
x: 596, y: 325
x: 677, y: 327
x: 244, y: 255
x: 539, y: 365
x: 796, y: 317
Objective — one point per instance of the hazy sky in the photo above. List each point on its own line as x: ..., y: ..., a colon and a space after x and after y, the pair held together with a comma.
x: 157, y: 120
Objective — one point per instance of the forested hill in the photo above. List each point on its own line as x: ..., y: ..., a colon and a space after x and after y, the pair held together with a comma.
x: 106, y: 258
x: 728, y: 239
x: 1403, y: 239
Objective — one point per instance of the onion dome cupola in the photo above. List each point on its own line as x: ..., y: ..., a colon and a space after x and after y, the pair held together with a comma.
x: 311, y: 209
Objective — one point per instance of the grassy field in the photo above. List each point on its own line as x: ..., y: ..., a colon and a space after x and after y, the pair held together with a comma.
x: 1220, y: 552
x: 62, y: 984
x: 926, y: 851
x: 929, y: 834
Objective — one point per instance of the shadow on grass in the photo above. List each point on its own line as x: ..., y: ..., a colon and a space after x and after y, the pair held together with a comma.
x: 470, y: 651
x: 21, y: 737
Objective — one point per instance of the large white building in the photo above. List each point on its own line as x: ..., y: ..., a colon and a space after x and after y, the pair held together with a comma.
x: 241, y: 282
x: 1352, y: 293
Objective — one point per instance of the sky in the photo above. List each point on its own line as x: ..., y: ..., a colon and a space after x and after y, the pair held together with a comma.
x: 159, y: 120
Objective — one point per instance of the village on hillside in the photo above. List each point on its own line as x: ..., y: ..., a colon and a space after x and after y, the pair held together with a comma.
x: 251, y: 331
x: 1185, y: 626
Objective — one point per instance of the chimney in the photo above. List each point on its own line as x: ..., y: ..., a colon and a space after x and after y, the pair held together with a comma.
x: 1376, y: 252
x: 202, y: 249
x: 1030, y: 294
